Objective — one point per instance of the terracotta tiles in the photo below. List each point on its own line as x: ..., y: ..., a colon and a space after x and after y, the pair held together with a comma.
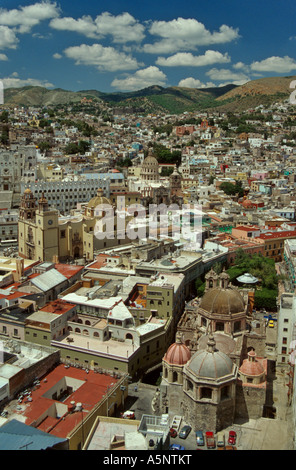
x: 92, y: 389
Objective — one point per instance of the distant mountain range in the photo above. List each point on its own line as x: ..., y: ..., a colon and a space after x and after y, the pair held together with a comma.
x: 172, y: 100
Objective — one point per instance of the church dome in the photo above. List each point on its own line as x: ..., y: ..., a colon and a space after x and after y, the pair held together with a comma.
x: 251, y: 367
x: 210, y: 363
x: 247, y: 204
x: 150, y: 161
x: 150, y: 168
x: 177, y: 354
x: 98, y: 200
x: 222, y: 301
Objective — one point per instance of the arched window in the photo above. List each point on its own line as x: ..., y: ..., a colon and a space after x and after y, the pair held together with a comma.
x: 206, y: 392
x: 77, y: 330
x: 175, y: 376
x: 85, y: 332
x: 189, y: 386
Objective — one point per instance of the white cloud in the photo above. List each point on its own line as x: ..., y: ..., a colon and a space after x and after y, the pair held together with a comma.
x: 25, y: 17
x: 84, y: 25
x: 189, y: 60
x: 275, y: 64
x: 103, y: 58
x: 191, y: 82
x: 8, y: 39
x: 240, y: 66
x: 3, y: 57
x: 228, y: 76
x: 13, y: 82
x: 181, y: 34
x: 123, y: 28
x: 141, y: 79
x: 57, y: 56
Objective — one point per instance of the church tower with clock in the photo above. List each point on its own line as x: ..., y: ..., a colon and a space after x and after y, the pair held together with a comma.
x: 38, y: 231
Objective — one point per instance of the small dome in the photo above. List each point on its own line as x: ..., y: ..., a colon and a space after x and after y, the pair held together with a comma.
x: 210, y: 363
x: 247, y: 204
x: 178, y: 354
x: 150, y: 159
x: 251, y: 367
x: 98, y: 200
x: 222, y: 301
x: 28, y: 191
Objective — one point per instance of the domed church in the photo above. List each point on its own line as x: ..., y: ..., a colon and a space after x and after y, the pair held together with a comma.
x: 207, y: 373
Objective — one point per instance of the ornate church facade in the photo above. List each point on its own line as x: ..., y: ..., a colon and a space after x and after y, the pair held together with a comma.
x: 212, y: 374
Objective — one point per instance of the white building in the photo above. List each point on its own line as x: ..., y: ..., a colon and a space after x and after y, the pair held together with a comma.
x: 286, y: 327
x: 64, y: 195
x: 15, y: 163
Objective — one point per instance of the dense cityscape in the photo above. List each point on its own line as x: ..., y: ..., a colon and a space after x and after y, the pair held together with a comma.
x: 118, y: 342
x: 148, y: 234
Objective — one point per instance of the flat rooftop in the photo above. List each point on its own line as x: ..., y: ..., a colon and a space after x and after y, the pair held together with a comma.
x: 111, y: 348
x: 88, y: 389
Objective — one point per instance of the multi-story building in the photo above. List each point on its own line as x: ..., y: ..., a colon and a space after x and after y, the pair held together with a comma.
x: 8, y: 226
x: 286, y: 328
x: 65, y: 195
x: 38, y: 229
x: 15, y: 163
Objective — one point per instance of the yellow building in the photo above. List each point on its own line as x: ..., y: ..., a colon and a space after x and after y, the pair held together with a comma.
x: 44, y: 236
x: 38, y: 231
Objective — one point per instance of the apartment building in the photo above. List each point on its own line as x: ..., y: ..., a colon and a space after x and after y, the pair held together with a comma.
x: 286, y: 328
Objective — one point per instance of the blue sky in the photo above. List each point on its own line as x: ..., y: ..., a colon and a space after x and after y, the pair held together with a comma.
x: 128, y: 45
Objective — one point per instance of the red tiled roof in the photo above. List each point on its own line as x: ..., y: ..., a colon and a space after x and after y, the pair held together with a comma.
x: 247, y: 229
x: 282, y: 234
x: 94, y: 387
x: 58, y: 307
x: 68, y: 270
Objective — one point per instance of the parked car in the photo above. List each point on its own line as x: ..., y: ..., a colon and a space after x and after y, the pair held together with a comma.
x: 232, y: 438
x: 210, y: 440
x: 221, y: 439
x: 176, y: 447
x: 200, y: 438
x: 173, y: 432
x: 271, y: 324
x: 128, y: 415
x: 184, y: 432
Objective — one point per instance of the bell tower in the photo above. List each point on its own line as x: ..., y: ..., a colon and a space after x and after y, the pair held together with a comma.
x: 38, y: 231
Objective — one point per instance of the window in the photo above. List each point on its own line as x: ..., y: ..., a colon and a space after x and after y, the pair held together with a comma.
x: 206, y: 392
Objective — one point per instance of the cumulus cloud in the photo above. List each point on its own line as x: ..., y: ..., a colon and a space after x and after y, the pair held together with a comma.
x: 191, y: 82
x: 275, y: 64
x: 8, y: 39
x: 123, y: 28
x: 181, y: 34
x: 3, y: 57
x: 227, y: 76
x: 57, y: 56
x: 14, y: 82
x: 187, y: 59
x: 141, y: 79
x: 103, y: 58
x: 25, y: 18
